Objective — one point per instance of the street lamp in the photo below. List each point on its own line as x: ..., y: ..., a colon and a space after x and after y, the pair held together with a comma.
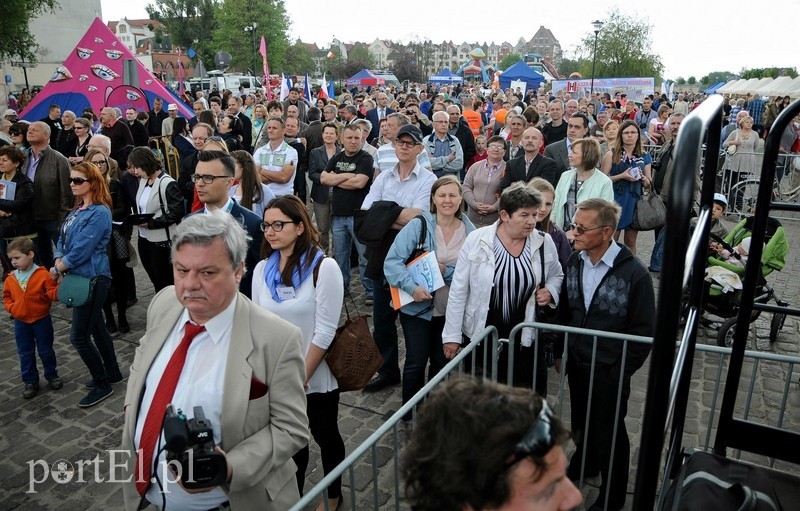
x: 252, y: 29
x: 597, y: 24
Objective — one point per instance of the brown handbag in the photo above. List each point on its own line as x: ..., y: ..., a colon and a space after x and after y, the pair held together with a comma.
x: 353, y: 356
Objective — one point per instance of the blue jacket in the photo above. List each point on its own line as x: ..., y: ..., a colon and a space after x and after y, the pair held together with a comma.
x: 394, y: 265
x: 83, y: 241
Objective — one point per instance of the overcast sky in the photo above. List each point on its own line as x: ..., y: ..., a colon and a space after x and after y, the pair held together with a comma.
x: 693, y: 38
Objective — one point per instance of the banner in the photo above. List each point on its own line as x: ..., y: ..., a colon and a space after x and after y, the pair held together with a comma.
x: 635, y: 88
x: 262, y: 49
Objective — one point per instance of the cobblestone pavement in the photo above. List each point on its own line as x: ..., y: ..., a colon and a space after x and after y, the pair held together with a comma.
x: 39, y: 432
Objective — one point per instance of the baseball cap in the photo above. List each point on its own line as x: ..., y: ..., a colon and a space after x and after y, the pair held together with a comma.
x: 718, y: 197
x: 172, y: 106
x: 9, y: 112
x: 412, y: 131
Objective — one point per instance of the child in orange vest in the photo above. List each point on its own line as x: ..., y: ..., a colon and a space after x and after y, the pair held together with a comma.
x: 28, y: 293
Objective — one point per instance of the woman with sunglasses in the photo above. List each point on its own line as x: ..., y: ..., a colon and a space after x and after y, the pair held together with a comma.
x: 422, y: 319
x: 19, y: 136
x: 16, y: 212
x: 499, y: 281
x: 81, y: 250
x: 298, y: 283
x: 159, y: 195
x: 230, y: 129
x: 118, y: 251
x: 582, y: 181
x: 84, y: 133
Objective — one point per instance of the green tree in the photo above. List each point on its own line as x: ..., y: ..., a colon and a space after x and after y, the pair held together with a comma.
x: 509, y: 60
x: 358, y: 58
x: 405, y: 63
x: 568, y: 66
x: 271, y: 21
x: 624, y: 48
x: 186, y: 21
x: 692, y: 80
x: 299, y: 60
x: 769, y: 72
x: 16, y: 40
x: 680, y: 81
x: 716, y: 77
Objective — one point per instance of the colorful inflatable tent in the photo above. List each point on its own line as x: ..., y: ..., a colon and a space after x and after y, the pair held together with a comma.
x: 92, y: 77
x: 476, y: 68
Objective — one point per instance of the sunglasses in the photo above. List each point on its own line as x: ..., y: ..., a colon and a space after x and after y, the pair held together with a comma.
x: 537, y: 441
x: 13, y: 133
x: 77, y: 181
x: 581, y: 230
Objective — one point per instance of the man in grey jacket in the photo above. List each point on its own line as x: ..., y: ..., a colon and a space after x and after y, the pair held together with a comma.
x: 52, y: 196
x: 444, y: 150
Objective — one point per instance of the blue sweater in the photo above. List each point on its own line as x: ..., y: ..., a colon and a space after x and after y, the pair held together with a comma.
x: 83, y: 241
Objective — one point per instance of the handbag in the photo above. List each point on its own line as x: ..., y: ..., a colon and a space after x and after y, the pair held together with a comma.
x: 75, y: 290
x: 353, y: 356
x: 423, y: 236
x: 731, y: 150
x: 650, y: 212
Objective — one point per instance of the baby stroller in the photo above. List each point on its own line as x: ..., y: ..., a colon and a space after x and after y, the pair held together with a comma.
x: 723, y: 301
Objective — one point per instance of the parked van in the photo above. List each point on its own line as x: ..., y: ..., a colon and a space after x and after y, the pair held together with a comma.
x: 232, y: 82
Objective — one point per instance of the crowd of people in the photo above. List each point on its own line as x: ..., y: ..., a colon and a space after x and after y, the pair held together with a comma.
x: 518, y: 199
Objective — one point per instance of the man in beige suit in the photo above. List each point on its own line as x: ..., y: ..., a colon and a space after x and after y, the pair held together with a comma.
x: 245, y: 367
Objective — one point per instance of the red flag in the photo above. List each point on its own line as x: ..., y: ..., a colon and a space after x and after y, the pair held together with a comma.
x: 262, y: 49
x: 181, y: 88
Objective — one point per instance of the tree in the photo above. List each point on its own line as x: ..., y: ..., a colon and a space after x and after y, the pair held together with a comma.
x: 692, y: 80
x: 16, y: 40
x: 624, y: 48
x: 405, y: 63
x: 186, y: 21
x: 680, y: 81
x: 769, y: 72
x: 299, y: 60
x: 716, y: 77
x: 271, y: 21
x: 509, y: 60
x: 358, y: 58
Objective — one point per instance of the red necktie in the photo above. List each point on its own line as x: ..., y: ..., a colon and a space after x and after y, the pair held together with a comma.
x: 162, y: 397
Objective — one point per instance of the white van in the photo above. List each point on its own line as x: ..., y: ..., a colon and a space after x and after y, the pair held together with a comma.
x: 233, y: 81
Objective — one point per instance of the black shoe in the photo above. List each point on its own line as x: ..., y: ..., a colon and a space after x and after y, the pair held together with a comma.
x: 124, y: 327
x: 31, y: 389
x: 111, y: 379
x: 380, y: 382
x: 95, y: 395
x: 55, y: 383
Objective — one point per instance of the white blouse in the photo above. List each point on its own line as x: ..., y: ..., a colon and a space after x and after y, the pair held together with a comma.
x: 315, y: 310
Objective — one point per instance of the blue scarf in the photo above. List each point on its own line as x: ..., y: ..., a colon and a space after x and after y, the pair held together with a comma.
x: 272, y: 273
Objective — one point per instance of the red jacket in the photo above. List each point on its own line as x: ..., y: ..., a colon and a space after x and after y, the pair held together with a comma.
x: 34, y: 303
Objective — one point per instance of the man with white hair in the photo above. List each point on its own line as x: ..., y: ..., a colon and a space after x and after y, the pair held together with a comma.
x: 200, y: 96
x: 52, y: 195
x: 67, y: 140
x: 680, y: 106
x: 444, y: 150
x: 166, y: 124
x: 117, y: 132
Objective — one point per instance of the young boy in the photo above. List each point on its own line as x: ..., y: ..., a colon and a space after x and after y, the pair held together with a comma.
x: 27, y: 294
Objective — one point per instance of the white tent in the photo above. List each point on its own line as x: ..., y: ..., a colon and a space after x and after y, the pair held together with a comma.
x: 743, y: 86
x: 791, y: 89
x: 763, y: 82
x: 726, y: 89
x: 775, y: 85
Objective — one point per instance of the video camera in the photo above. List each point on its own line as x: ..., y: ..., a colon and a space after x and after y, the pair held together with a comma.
x: 191, y: 444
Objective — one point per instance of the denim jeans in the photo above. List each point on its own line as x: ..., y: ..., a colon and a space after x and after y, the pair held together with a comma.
x: 658, y: 251
x: 423, y: 342
x: 87, y: 323
x: 47, y: 236
x: 384, y: 330
x: 32, y: 337
x: 343, y: 237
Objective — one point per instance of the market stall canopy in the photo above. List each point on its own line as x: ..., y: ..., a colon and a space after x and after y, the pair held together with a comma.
x: 101, y: 72
x: 772, y: 88
x: 364, y: 78
x: 726, y: 89
x: 713, y: 88
x: 446, y: 76
x: 521, y: 72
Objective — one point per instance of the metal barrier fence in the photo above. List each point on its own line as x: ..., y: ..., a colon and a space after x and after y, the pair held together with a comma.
x: 371, y: 473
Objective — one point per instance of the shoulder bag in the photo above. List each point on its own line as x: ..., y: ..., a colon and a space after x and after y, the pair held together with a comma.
x: 75, y: 290
x: 423, y: 236
x: 732, y: 148
x: 353, y: 356
x: 650, y: 212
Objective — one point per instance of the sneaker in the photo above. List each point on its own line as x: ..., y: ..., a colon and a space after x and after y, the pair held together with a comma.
x: 31, y: 389
x: 95, y: 395
x: 111, y: 379
x: 55, y: 383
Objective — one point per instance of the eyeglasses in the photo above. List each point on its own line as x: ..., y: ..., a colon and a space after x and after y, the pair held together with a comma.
x: 77, y: 181
x: 277, y: 225
x: 207, y: 178
x: 538, y: 440
x: 581, y: 230
x: 496, y: 147
x: 100, y: 162
x: 405, y: 143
